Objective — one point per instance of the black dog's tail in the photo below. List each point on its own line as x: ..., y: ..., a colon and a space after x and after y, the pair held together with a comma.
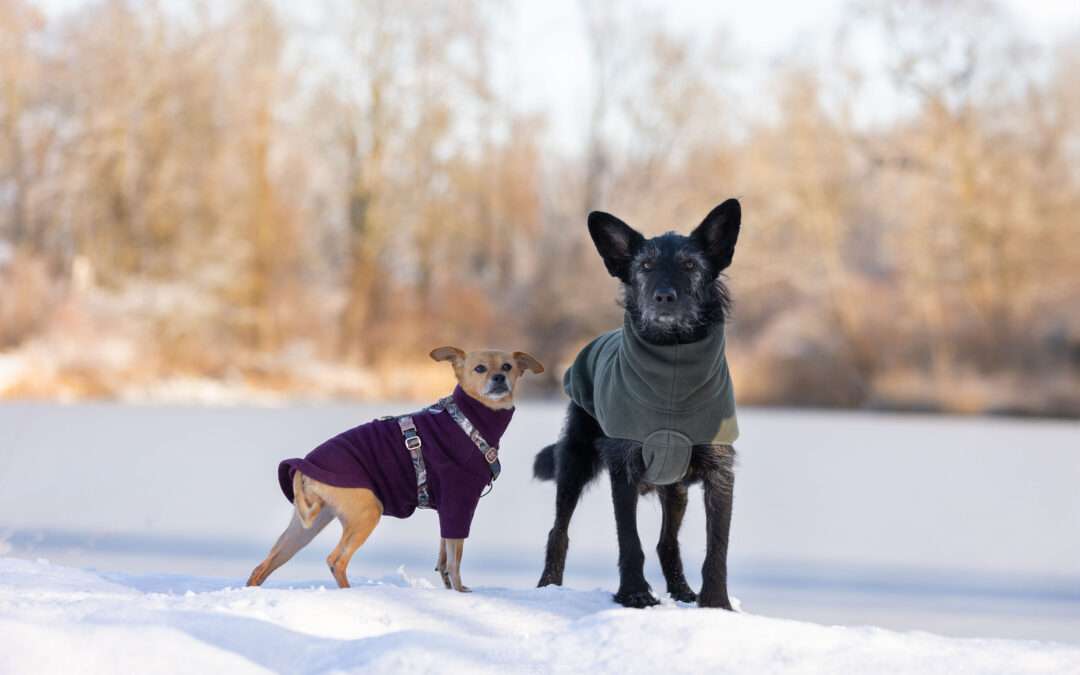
x: 544, y: 464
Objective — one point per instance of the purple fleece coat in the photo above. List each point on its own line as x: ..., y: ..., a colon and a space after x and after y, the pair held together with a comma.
x: 373, y: 456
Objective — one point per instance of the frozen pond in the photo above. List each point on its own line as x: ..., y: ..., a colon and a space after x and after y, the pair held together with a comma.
x: 962, y: 527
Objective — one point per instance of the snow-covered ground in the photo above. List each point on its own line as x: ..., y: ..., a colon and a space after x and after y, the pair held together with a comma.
x: 967, y: 528
x: 59, y: 620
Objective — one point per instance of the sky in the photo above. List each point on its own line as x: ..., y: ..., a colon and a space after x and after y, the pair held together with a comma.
x: 549, y: 60
x: 543, y: 65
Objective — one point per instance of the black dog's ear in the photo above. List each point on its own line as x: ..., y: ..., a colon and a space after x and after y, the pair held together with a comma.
x: 718, y: 232
x: 616, y: 241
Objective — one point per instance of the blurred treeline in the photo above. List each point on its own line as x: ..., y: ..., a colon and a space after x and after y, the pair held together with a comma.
x: 307, y: 201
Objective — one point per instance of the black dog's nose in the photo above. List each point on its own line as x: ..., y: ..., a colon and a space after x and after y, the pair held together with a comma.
x: 498, y: 377
x: 664, y: 295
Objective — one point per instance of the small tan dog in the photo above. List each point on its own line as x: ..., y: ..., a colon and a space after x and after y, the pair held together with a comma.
x: 442, y: 457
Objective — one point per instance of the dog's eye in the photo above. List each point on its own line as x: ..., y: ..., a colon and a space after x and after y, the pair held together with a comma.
x: 647, y: 266
x: 689, y: 264
x: 507, y: 367
x: 480, y: 369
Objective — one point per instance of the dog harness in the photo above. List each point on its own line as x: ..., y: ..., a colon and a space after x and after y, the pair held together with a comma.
x: 414, y: 445
x: 450, y: 458
x: 666, y: 397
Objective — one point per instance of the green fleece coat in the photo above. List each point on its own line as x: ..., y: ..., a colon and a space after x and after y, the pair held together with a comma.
x: 666, y: 397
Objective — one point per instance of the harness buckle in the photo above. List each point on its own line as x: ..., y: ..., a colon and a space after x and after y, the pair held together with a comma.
x: 412, y: 444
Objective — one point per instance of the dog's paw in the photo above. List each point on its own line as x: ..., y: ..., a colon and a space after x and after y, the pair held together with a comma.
x: 640, y: 599
x: 714, y: 599
x: 683, y: 594
x: 549, y: 578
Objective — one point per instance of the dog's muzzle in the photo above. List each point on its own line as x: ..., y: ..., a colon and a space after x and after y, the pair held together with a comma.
x: 497, y: 386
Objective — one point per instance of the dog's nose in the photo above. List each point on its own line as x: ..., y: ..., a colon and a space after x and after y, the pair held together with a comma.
x: 498, y: 377
x: 664, y: 295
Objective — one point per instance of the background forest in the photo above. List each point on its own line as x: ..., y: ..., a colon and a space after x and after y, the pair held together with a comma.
x: 250, y: 197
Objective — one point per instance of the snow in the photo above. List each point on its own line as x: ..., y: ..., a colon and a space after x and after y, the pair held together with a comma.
x: 60, y: 619
x: 963, y: 528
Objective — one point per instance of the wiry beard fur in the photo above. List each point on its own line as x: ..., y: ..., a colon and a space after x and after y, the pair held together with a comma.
x: 678, y: 265
x: 713, y: 306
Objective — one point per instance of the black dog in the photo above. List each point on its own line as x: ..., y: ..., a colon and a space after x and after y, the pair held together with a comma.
x: 674, y: 299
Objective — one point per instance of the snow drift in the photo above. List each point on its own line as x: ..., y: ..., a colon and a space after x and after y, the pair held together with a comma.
x: 61, y: 619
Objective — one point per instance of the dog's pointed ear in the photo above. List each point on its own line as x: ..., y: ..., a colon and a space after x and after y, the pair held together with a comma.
x: 455, y: 356
x: 525, y: 362
x: 718, y: 232
x: 616, y: 241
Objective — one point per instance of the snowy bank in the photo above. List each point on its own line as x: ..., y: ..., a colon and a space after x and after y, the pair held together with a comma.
x: 61, y: 619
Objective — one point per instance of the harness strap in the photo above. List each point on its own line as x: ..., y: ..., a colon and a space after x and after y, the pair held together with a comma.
x: 490, y: 453
x: 413, y: 445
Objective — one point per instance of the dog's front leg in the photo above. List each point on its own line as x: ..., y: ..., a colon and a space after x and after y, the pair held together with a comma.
x: 450, y: 561
x: 718, y: 485
x: 673, y: 503
x: 634, y: 591
x: 440, y: 565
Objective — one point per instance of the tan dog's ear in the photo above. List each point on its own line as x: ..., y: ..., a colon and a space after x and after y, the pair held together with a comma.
x: 525, y: 362
x: 455, y: 356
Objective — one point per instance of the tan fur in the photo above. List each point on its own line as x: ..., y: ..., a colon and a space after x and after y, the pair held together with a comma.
x: 465, y: 364
x: 304, y: 508
x: 449, y: 564
x: 359, y: 510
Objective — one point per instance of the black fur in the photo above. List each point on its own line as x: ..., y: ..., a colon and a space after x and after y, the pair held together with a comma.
x: 544, y: 464
x: 673, y: 291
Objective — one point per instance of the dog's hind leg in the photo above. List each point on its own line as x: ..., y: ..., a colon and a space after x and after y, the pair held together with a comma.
x: 673, y: 504
x: 577, y: 463
x: 295, y: 537
x: 359, y: 511
x: 719, y: 483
